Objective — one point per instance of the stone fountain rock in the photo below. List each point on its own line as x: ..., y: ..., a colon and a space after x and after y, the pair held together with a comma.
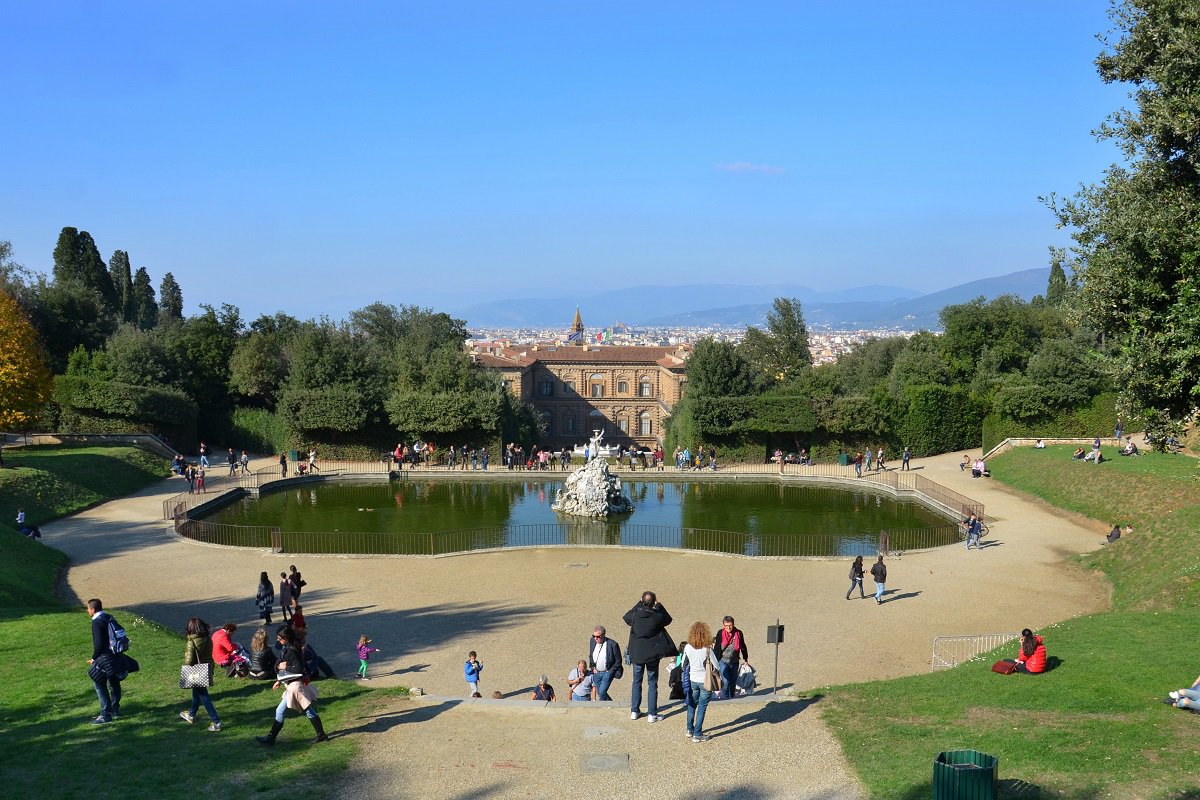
x: 592, y: 491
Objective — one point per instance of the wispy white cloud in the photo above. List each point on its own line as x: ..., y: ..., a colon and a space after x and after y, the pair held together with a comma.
x: 746, y: 166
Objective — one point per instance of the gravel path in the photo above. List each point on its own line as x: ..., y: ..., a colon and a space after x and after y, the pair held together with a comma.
x: 528, y: 612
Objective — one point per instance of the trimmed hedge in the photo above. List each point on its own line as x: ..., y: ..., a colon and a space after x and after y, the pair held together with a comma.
x: 1099, y: 418
x: 259, y: 431
x: 89, y: 405
x: 939, y: 419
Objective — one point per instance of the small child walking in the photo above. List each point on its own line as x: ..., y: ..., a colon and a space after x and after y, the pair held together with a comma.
x: 364, y: 655
x: 471, y: 670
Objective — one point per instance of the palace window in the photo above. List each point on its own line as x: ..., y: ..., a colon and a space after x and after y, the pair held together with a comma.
x: 597, y: 385
x: 569, y: 423
x: 568, y: 387
x: 623, y: 424
x: 644, y: 427
x: 646, y: 388
x: 622, y: 387
x: 546, y: 388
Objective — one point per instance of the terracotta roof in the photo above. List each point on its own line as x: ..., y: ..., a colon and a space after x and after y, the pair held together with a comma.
x: 616, y: 354
x: 501, y: 362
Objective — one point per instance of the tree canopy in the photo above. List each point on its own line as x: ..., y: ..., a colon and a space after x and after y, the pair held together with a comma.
x: 25, y: 382
x: 1136, y: 252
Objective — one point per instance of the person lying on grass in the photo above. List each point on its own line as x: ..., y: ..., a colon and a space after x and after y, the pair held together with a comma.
x: 1185, y: 698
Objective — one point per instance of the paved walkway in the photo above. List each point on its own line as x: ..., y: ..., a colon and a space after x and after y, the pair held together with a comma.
x: 528, y: 612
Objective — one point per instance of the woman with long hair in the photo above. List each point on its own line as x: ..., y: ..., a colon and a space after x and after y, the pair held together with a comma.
x: 262, y: 657
x: 856, y: 578
x: 265, y: 598
x: 297, y: 693
x: 1031, y: 658
x: 198, y: 650
x: 697, y: 657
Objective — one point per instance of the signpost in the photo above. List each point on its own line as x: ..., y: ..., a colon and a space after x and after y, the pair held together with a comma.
x: 775, y: 637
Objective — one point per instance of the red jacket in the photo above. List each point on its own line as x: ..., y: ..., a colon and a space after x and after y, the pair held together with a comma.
x: 1036, y: 662
x: 221, y: 646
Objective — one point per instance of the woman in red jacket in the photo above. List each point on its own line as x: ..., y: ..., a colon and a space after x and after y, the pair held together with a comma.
x: 1031, y: 659
x: 222, y: 644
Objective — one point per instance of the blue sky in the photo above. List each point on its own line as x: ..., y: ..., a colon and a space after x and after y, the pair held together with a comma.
x: 318, y: 157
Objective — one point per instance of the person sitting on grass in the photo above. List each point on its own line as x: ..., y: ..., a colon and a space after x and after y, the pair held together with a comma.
x: 1031, y: 658
x: 1185, y: 698
x: 1078, y: 455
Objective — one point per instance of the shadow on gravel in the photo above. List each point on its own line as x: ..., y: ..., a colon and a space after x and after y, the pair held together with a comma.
x: 382, y: 723
x: 769, y: 714
x: 743, y: 792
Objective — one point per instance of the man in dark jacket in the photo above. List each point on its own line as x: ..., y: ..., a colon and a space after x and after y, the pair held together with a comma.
x: 879, y: 574
x: 108, y: 687
x: 604, y: 660
x: 649, y: 642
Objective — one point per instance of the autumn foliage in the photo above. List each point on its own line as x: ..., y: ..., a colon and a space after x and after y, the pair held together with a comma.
x: 25, y: 380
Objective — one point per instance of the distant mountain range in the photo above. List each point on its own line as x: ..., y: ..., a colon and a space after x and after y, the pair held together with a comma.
x: 864, y: 307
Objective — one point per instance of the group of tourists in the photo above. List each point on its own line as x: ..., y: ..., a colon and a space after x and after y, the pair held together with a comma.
x: 695, y: 460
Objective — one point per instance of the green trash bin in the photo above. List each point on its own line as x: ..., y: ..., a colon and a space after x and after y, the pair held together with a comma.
x: 844, y: 459
x: 965, y: 775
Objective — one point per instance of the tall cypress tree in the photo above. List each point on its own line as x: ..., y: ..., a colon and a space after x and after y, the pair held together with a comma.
x: 122, y: 278
x: 141, y: 292
x: 170, y: 299
x: 1056, y: 288
x: 77, y: 259
x: 66, y: 256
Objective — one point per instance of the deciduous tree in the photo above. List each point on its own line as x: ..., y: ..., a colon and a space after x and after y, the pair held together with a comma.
x: 25, y: 382
x: 1137, y: 233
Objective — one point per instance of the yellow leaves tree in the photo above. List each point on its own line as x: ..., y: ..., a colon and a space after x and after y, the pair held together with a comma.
x: 25, y: 380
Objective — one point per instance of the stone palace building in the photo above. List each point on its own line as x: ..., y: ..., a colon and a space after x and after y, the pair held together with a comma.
x: 579, y: 387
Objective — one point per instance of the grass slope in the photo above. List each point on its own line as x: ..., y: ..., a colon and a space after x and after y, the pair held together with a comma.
x: 50, y: 747
x: 1094, y: 725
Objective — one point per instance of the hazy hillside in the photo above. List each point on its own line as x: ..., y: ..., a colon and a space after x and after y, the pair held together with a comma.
x: 738, y: 305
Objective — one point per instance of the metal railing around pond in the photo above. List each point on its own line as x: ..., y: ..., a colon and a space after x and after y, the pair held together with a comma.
x: 575, y: 534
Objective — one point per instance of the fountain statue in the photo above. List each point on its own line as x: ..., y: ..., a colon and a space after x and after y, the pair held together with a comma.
x: 592, y: 491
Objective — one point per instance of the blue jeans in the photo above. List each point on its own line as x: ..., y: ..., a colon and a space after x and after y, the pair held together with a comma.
x: 200, y: 695
x: 729, y: 670
x: 879, y: 593
x: 695, y: 709
x: 602, y: 680
x: 281, y: 709
x: 855, y: 582
x: 109, y: 693
x: 651, y: 672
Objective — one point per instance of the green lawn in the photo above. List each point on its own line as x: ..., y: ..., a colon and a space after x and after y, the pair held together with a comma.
x: 1094, y: 726
x: 46, y: 701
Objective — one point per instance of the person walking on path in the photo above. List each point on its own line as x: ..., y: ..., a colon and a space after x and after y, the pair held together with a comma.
x: 731, y: 650
x: 973, y: 528
x: 264, y: 598
x: 879, y: 575
x: 108, y: 687
x: 233, y: 463
x: 203, y: 454
x: 199, y: 650
x: 312, y: 461
x: 297, y: 694
x: 283, y: 465
x: 364, y: 651
x: 649, y: 642
x: 285, y: 596
x: 868, y: 458
x: 471, y: 669
x: 298, y: 583
x: 858, y: 464
x: 604, y: 659
x: 698, y: 657
x: 904, y: 458
x: 856, y: 578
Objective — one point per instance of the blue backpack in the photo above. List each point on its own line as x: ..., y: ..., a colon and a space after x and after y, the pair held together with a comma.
x: 118, y: 640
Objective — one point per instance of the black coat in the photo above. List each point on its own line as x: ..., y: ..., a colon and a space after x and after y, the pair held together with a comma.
x: 262, y: 662
x: 648, y: 637
x: 613, y: 657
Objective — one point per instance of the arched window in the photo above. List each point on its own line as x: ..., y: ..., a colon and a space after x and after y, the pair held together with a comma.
x: 644, y: 425
x: 645, y: 388
x: 597, y: 385
x: 623, y: 424
x: 596, y: 421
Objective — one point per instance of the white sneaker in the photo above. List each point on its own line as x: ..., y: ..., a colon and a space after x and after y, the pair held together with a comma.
x: 1173, y: 695
x: 633, y: 715
x: 653, y: 718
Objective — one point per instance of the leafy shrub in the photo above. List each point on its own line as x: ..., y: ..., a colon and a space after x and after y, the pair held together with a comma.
x: 259, y: 431
x: 1097, y: 418
x: 92, y: 405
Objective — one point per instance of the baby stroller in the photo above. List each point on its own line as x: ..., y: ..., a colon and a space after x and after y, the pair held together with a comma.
x: 239, y: 662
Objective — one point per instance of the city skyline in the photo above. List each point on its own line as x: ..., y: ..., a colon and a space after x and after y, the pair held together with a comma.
x: 315, y: 161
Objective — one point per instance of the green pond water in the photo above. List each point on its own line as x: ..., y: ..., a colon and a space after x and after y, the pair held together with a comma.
x: 751, y: 518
